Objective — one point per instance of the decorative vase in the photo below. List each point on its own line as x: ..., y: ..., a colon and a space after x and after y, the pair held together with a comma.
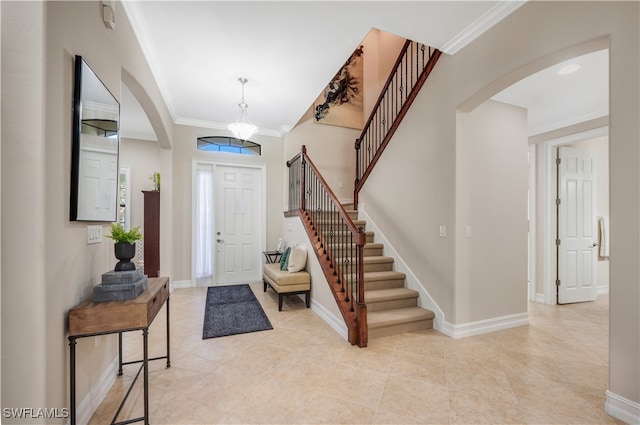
x: 125, y: 252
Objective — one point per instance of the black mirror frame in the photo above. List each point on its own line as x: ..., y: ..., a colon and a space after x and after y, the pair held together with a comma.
x: 76, y: 141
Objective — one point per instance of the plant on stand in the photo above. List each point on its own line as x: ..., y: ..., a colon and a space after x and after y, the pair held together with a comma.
x: 155, y: 179
x: 125, y: 245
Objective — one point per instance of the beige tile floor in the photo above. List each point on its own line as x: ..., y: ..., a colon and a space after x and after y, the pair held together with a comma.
x: 553, y: 371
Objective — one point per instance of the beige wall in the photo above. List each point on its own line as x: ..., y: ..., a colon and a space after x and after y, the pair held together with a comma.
x: 48, y: 266
x: 417, y: 172
x: 491, y: 198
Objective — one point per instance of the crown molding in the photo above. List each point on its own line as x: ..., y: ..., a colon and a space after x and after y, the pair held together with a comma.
x: 482, y: 24
x: 137, y: 22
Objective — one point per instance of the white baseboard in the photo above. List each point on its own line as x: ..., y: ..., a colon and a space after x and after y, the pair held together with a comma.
x: 620, y: 408
x: 336, y: 323
x: 485, y: 326
x: 540, y: 298
x: 98, y: 392
x: 181, y: 284
x: 603, y: 289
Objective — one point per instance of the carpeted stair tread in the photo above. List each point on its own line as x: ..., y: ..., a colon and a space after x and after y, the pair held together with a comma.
x: 379, y: 295
x: 379, y: 319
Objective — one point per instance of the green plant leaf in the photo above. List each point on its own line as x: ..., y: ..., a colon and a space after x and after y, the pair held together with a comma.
x: 119, y: 235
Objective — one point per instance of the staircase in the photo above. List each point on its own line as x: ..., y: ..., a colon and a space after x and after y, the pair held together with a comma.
x: 370, y: 294
x: 391, y: 307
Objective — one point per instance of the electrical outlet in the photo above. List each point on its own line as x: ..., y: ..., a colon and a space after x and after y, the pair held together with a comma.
x: 94, y: 234
x: 467, y: 232
x: 443, y: 231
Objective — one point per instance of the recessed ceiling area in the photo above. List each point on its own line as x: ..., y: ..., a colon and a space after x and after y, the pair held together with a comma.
x: 556, y: 100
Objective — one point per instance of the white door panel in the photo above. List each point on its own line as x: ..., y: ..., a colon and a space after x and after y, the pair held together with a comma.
x: 238, y: 224
x: 576, y: 226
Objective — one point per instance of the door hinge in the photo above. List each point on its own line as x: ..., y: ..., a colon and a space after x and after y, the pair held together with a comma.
x: 557, y: 282
x: 558, y: 242
x: 558, y: 201
x: 558, y: 161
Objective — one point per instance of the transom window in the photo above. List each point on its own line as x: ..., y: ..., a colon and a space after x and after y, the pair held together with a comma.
x: 228, y: 144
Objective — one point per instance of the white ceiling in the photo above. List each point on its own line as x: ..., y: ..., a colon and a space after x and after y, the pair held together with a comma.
x: 287, y: 50
x: 555, y: 101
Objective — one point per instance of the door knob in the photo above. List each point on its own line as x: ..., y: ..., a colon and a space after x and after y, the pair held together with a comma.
x: 594, y: 244
x: 220, y: 240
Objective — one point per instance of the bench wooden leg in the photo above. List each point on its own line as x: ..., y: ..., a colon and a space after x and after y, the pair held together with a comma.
x: 280, y: 302
x: 307, y: 297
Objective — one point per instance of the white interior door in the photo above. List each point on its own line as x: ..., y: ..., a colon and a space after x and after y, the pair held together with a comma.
x: 238, y: 225
x: 577, y: 237
x: 97, y: 185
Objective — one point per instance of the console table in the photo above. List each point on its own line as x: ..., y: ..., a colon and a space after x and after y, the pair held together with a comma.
x: 92, y: 319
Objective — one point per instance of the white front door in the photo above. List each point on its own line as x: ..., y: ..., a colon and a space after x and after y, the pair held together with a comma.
x: 577, y: 237
x: 238, y: 224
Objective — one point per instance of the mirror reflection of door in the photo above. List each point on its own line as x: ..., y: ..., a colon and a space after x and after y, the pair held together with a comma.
x: 577, y: 226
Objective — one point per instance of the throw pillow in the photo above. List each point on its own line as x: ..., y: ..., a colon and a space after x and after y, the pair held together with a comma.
x: 284, y: 259
x: 298, y: 258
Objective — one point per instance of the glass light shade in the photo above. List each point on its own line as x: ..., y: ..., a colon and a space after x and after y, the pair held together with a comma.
x: 242, y: 128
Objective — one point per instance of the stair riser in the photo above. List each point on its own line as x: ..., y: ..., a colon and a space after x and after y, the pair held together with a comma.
x: 340, y: 235
x: 378, y: 267
x: 339, y: 252
x: 400, y: 328
x: 353, y: 215
x: 358, y: 224
x: 391, y: 304
x: 383, y: 284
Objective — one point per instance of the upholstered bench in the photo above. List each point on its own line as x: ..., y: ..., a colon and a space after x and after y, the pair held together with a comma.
x: 286, y: 283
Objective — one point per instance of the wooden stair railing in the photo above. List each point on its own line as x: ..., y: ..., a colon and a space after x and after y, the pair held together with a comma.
x: 337, y: 242
x: 413, y: 66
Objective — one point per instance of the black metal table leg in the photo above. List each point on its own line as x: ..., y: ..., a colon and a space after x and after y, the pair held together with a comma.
x: 119, y: 353
x: 168, y: 332
x: 145, y: 338
x: 72, y: 379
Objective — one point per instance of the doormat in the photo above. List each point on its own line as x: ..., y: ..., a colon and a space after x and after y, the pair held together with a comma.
x: 232, y: 310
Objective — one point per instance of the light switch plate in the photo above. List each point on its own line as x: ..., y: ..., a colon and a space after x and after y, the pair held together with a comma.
x: 94, y: 234
x: 443, y: 231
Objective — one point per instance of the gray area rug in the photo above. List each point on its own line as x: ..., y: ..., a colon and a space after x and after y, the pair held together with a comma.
x: 231, y: 310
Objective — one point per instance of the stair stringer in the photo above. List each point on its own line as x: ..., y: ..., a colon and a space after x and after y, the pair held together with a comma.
x: 411, y: 281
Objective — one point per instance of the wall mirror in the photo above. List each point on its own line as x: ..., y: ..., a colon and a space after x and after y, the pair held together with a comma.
x: 94, y: 153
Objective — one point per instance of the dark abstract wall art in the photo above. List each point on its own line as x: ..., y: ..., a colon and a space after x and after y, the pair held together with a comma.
x: 341, y: 102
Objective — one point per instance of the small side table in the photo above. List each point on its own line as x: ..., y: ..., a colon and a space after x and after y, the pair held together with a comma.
x: 272, y: 256
x: 92, y: 319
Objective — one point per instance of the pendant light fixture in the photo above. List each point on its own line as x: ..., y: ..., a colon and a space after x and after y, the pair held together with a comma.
x: 242, y: 128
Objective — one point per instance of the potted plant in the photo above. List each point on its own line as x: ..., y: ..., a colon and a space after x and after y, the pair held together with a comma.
x: 125, y: 245
x: 155, y: 179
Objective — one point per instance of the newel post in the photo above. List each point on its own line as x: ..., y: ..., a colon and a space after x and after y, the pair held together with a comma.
x: 303, y: 205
